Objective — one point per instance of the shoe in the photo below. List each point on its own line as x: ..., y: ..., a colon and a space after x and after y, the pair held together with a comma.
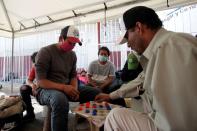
x: 29, y: 117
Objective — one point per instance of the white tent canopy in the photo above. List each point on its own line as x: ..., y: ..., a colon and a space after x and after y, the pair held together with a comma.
x: 22, y: 17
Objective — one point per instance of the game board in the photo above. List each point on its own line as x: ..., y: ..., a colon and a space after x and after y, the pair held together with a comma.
x: 94, y: 112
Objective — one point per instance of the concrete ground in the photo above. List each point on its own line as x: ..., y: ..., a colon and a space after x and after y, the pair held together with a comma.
x: 37, y: 124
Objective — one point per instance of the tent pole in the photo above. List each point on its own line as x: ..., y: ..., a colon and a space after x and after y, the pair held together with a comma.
x: 12, y: 62
x: 12, y: 29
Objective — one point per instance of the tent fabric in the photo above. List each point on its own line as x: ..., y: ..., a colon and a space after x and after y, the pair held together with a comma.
x: 23, y: 17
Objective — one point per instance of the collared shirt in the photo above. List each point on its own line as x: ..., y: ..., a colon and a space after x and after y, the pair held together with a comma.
x: 170, y: 65
x: 131, y: 89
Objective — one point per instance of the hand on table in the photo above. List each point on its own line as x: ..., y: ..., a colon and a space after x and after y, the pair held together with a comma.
x: 102, y: 97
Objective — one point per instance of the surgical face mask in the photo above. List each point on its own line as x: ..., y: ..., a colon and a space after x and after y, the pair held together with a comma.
x: 103, y: 58
x: 66, y: 46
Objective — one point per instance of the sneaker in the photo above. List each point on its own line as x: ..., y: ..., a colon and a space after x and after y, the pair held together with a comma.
x: 29, y: 117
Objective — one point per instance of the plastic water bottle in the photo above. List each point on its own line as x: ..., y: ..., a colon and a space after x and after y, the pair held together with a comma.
x: 132, y: 61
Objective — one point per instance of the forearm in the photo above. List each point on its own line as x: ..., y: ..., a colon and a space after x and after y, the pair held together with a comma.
x: 91, y: 82
x: 107, y: 82
x: 130, y: 89
x: 125, y: 92
x: 30, y: 83
x: 73, y: 83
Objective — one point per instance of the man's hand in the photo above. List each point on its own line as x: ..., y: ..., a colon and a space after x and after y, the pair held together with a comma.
x: 72, y: 92
x: 93, y: 83
x: 33, y: 86
x: 102, y: 97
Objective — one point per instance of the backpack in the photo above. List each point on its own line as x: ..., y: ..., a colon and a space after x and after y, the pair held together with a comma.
x: 11, y: 110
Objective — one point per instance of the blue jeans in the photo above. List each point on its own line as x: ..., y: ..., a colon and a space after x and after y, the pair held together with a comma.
x: 59, y: 103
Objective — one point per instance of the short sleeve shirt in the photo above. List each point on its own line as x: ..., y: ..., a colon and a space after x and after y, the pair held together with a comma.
x: 100, y: 72
x: 32, y: 74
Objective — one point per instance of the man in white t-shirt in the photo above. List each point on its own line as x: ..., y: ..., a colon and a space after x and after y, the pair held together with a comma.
x: 101, y: 72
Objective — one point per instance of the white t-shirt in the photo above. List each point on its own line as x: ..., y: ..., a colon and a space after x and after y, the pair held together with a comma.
x: 100, y: 72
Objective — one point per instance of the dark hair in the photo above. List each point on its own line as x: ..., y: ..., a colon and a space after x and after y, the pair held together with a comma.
x: 33, y: 56
x: 141, y: 14
x: 104, y: 48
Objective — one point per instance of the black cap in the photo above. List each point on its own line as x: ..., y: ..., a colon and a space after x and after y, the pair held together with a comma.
x: 123, y: 38
x: 141, y: 14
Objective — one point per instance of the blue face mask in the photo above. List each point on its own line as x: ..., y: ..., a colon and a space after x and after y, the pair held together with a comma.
x: 103, y: 58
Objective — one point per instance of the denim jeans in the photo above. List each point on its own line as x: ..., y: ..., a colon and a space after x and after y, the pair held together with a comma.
x: 59, y: 103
